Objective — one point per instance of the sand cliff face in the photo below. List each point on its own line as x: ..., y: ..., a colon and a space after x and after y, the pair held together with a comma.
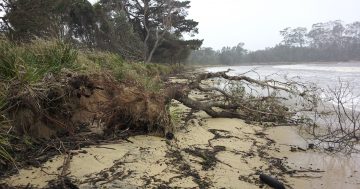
x: 205, y: 153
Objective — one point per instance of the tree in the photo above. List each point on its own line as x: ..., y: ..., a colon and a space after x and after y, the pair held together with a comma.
x: 114, y: 33
x: 156, y: 18
x: 204, y: 55
x: 352, y: 40
x: 25, y: 19
x: 174, y: 50
x: 327, y: 34
x: 63, y: 19
x: 353, y: 31
x: 79, y: 17
x: 294, y: 37
x: 135, y: 29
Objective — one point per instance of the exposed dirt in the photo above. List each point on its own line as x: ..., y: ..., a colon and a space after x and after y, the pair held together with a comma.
x: 65, y: 104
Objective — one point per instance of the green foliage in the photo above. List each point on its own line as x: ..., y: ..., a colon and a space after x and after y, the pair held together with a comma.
x: 30, y: 18
x: 4, y: 137
x: 175, y: 114
x: 115, y: 34
x: 30, y: 62
x: 105, y: 26
x: 49, y: 56
x: 146, y: 75
x: 227, y: 55
x: 8, y: 60
x: 4, y: 145
x: 48, y: 19
x: 173, y: 50
x: 164, y: 22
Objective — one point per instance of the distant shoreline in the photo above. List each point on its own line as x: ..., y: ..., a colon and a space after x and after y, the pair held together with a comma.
x: 273, y: 63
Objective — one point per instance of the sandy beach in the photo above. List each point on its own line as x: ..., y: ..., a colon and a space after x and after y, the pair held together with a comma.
x: 205, y: 153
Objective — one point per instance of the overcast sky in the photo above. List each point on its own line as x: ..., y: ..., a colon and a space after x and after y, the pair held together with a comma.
x: 257, y: 22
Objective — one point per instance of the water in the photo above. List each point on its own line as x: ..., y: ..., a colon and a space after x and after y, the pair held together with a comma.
x: 325, y: 75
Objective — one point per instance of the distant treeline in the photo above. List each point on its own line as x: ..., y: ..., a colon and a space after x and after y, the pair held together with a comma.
x: 329, y: 41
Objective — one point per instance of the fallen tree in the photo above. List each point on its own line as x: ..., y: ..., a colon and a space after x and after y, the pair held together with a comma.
x: 246, y: 98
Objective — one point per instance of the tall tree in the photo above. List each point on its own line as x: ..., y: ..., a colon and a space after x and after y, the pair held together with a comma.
x: 156, y: 18
x: 324, y: 35
x: 114, y: 32
x: 352, y: 38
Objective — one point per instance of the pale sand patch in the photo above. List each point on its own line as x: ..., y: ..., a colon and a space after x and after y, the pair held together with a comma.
x: 184, y: 183
x: 194, y: 136
x: 97, y: 159
x: 234, y: 144
x: 177, y: 80
x: 35, y: 176
x: 94, y: 161
x: 236, y: 126
x: 223, y: 176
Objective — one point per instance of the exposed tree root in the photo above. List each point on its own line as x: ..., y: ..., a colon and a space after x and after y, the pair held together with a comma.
x: 66, y: 104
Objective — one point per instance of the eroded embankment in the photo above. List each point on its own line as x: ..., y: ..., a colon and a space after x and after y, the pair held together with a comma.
x: 65, y: 104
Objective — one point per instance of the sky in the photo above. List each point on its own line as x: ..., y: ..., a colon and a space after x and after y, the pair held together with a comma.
x: 257, y: 22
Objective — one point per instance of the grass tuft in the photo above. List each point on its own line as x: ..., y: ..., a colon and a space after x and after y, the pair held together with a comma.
x: 30, y: 62
x: 4, y: 137
x: 146, y: 75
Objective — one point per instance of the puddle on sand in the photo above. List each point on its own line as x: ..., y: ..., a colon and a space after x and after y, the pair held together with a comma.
x: 340, y: 171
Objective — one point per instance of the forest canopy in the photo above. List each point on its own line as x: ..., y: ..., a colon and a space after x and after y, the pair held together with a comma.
x: 138, y: 30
